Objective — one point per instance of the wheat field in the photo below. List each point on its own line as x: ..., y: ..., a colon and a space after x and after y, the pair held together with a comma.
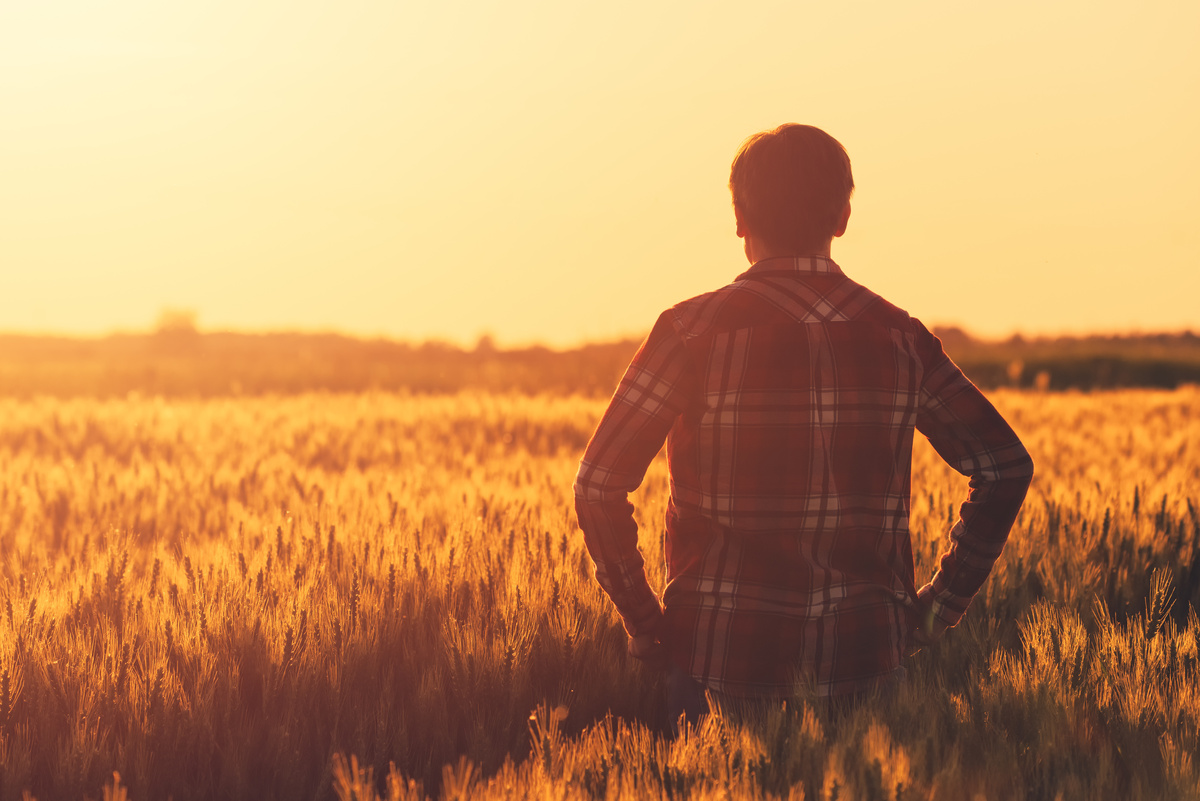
x: 382, y: 595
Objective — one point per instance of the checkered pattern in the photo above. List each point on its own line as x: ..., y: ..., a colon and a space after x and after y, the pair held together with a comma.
x: 788, y: 401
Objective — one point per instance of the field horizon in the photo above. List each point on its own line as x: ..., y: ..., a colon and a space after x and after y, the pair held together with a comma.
x: 178, y: 360
x: 186, y: 321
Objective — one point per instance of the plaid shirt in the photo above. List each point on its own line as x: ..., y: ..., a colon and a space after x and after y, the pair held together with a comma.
x: 788, y: 401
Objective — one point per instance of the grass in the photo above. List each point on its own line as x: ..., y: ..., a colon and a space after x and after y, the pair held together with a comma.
x: 376, y: 595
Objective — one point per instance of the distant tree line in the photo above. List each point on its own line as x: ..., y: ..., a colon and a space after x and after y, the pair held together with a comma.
x: 178, y: 361
x: 1092, y: 362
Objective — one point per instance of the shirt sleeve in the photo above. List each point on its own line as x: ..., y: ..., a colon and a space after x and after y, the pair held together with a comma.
x: 967, y: 431
x: 650, y: 396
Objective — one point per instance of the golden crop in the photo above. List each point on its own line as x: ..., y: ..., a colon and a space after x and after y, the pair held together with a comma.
x: 381, y: 594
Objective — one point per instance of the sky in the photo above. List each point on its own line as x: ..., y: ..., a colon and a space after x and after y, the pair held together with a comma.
x: 556, y: 172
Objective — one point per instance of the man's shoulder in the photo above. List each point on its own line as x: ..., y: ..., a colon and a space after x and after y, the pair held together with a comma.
x: 690, y: 314
x: 879, y: 308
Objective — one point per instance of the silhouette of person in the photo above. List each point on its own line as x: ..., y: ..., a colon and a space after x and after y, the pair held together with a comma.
x: 788, y: 400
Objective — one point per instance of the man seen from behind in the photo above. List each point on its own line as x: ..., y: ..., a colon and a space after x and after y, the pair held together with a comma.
x: 788, y: 400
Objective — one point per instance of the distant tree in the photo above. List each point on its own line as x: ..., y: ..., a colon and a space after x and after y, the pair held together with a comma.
x: 175, y: 332
x: 953, y: 338
x: 176, y: 322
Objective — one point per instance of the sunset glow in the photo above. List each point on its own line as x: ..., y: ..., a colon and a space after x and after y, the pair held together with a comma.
x: 557, y: 173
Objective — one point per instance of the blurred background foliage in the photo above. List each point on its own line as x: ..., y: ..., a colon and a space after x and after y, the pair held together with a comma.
x: 178, y: 360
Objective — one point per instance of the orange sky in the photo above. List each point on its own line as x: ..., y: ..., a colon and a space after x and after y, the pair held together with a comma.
x: 549, y: 171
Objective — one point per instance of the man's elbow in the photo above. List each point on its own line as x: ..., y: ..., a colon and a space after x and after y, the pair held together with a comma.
x: 1013, y: 462
x: 590, y: 487
x: 1024, y: 466
x: 584, y: 486
x: 1017, y: 472
x: 1011, y: 468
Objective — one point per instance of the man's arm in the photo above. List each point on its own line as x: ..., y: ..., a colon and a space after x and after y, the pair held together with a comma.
x: 968, y: 432
x: 649, y: 398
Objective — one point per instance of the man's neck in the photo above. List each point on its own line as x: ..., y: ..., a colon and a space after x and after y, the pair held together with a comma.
x: 757, y: 250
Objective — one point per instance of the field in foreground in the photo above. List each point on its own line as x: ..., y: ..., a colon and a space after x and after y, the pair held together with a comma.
x: 275, y: 597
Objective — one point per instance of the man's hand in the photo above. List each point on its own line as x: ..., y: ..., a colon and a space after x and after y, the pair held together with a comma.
x: 650, y: 650
x: 929, y: 629
x: 929, y: 633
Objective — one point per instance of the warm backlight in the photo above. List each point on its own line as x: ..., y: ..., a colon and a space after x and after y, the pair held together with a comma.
x: 556, y: 172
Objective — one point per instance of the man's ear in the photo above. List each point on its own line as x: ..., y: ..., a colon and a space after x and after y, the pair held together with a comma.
x: 737, y: 215
x: 845, y: 218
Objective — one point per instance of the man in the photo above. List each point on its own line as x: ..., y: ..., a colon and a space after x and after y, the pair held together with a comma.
x: 788, y: 401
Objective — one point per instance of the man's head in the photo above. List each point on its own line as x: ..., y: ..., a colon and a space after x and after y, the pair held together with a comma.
x: 791, y: 189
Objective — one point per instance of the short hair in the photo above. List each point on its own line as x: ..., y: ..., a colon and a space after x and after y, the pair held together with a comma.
x: 790, y: 186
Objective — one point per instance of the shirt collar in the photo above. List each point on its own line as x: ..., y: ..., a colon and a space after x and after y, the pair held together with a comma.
x: 793, y: 264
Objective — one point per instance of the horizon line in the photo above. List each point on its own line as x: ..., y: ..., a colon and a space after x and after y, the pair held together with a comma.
x: 489, y: 341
